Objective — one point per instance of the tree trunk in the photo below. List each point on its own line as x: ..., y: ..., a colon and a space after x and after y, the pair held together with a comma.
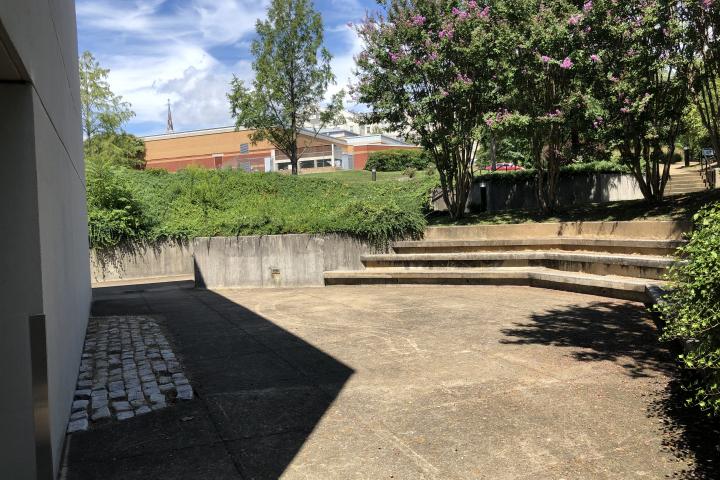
x: 493, y: 151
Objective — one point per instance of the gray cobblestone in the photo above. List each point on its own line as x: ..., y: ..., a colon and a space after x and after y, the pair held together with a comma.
x: 125, y: 415
x: 101, y: 414
x: 127, y: 368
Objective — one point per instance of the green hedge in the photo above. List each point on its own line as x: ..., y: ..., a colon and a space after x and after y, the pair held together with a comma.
x: 691, y: 310
x: 195, y: 203
x: 589, y: 168
x: 397, y: 160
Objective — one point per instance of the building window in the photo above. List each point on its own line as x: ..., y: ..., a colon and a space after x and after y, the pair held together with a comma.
x: 307, y: 164
x: 283, y: 165
x: 244, y: 148
x: 324, y: 162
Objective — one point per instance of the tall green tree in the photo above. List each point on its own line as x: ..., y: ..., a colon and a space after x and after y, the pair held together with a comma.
x: 703, y: 19
x: 292, y: 75
x: 432, y: 68
x: 641, y: 59
x: 103, y: 116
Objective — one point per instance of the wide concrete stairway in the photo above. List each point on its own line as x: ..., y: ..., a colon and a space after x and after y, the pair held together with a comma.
x: 685, y: 180
x: 615, y: 259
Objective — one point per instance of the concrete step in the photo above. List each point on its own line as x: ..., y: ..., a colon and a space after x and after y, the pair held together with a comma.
x: 586, y: 244
x: 637, y: 266
x: 605, y: 285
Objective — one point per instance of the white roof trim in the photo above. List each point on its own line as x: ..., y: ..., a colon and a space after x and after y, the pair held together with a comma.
x: 213, y: 131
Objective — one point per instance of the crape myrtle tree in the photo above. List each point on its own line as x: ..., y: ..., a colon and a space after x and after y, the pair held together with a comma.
x: 292, y: 75
x: 640, y: 61
x: 103, y: 116
x: 549, y: 100
x: 703, y: 17
x: 430, y: 68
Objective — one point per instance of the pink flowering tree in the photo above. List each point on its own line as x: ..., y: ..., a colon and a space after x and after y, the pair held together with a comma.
x: 548, y: 90
x: 433, y: 69
x: 703, y: 17
x: 640, y: 57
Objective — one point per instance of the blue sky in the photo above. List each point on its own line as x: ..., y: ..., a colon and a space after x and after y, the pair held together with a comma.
x: 188, y: 50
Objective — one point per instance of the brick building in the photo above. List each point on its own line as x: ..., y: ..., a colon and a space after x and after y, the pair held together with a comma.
x: 227, y: 148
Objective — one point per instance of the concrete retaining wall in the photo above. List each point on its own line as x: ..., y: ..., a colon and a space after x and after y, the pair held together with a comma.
x: 142, y: 261
x: 572, y: 190
x: 273, y: 260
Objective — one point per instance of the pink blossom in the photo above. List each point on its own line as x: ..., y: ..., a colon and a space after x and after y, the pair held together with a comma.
x: 464, y: 78
x: 472, y: 5
x: 545, y: 59
x: 567, y: 64
x: 446, y: 33
x: 595, y: 58
x: 625, y: 110
x: 418, y: 20
x: 490, y: 121
x: 708, y: 3
x: 461, y: 14
x: 485, y: 13
x: 588, y: 6
x: 394, y: 57
x: 574, y: 19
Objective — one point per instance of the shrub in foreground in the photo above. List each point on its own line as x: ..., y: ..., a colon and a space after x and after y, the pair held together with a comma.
x: 691, y: 310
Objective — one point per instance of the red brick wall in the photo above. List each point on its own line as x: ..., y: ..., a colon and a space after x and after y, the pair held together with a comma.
x: 230, y: 159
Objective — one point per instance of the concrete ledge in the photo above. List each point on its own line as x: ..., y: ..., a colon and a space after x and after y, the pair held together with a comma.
x: 588, y: 244
x: 648, y: 230
x: 604, y: 285
x: 637, y: 266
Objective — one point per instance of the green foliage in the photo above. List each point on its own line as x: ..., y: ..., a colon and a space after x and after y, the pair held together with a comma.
x: 197, y: 203
x: 114, y: 213
x: 691, y: 309
x: 429, y: 72
x: 574, y: 169
x: 102, y: 111
x: 292, y: 74
x: 122, y: 149
x: 410, y: 172
x: 397, y: 160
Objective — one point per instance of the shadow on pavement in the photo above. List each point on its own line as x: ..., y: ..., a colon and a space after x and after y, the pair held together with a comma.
x: 603, y: 331
x: 260, y: 392
x: 624, y: 333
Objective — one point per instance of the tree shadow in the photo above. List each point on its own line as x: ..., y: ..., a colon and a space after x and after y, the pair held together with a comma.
x: 689, y: 434
x: 627, y: 335
x: 622, y: 333
x: 260, y: 393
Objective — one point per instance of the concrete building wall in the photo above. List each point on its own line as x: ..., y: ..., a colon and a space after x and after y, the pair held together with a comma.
x: 44, y: 257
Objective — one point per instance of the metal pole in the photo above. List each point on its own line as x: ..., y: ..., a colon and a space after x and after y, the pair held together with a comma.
x: 374, y: 175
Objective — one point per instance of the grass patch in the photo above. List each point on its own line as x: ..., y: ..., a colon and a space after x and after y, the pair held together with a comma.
x: 678, y: 207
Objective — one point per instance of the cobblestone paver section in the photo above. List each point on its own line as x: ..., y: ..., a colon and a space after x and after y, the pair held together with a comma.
x: 127, y: 369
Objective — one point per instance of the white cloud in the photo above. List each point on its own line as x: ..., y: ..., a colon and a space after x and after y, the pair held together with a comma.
x: 158, y: 50
x: 187, y: 52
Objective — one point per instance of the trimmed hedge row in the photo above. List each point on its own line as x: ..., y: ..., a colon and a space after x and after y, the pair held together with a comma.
x: 590, y: 168
x: 398, y: 160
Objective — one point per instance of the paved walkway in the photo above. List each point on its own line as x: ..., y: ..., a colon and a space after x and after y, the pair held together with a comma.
x: 399, y: 382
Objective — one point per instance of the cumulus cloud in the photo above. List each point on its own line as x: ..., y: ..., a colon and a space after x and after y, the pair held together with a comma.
x: 187, y: 51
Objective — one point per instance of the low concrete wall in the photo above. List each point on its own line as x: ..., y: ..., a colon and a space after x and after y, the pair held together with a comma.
x: 638, y: 230
x: 161, y: 259
x: 273, y: 260
x: 572, y: 190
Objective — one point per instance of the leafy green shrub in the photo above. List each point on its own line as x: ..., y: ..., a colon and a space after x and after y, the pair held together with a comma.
x: 397, y: 160
x: 588, y: 168
x: 197, y: 203
x: 114, y: 213
x: 410, y: 172
x: 691, y: 309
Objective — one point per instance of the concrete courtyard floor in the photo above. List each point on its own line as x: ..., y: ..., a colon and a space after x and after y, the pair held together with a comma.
x: 396, y: 382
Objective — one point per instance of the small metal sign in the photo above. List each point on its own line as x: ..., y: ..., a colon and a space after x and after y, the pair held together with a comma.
x: 708, y: 152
